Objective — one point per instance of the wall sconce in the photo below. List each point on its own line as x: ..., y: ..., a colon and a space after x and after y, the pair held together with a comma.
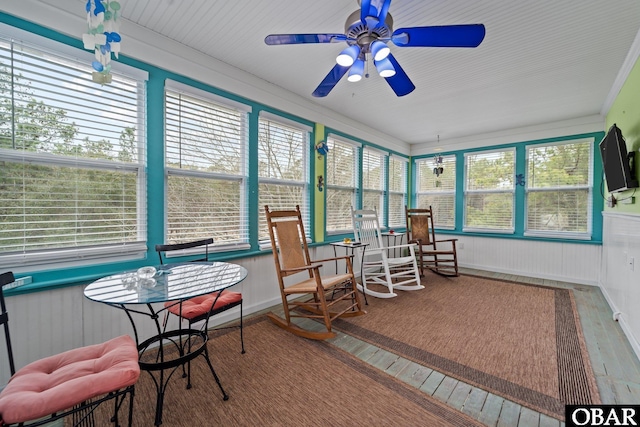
x: 320, y: 182
x: 322, y: 148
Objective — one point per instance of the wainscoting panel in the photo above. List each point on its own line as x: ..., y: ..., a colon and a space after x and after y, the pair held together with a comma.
x: 620, y: 280
x: 570, y: 262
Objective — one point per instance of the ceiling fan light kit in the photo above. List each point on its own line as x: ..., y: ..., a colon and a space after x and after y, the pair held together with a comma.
x: 379, y: 50
x: 385, y: 68
x: 356, y: 71
x: 348, y: 56
x: 367, y: 32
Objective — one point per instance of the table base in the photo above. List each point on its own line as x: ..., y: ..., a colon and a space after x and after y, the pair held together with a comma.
x: 176, y: 348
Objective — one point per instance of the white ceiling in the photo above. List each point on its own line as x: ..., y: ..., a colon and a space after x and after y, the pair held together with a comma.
x: 541, y: 61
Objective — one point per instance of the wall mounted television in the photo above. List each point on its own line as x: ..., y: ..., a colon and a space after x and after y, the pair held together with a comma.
x: 618, y: 165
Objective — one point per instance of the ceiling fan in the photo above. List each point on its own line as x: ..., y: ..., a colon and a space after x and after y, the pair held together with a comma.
x: 367, y: 32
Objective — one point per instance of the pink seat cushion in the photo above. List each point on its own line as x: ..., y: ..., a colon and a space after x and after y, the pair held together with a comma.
x: 60, y: 382
x: 197, y: 306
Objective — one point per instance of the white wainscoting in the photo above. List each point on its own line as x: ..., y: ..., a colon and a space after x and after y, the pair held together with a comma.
x: 50, y: 322
x: 569, y: 262
x: 620, y: 282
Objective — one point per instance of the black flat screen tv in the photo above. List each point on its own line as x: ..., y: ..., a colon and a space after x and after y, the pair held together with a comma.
x: 618, y: 165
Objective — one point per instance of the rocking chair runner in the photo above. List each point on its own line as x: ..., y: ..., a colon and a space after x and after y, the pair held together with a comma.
x: 331, y: 296
x: 379, y: 267
x: 431, y: 253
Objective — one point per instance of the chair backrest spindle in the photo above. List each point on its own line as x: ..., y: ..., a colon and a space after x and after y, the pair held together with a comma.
x: 366, y: 229
x: 182, y: 246
x: 288, y: 240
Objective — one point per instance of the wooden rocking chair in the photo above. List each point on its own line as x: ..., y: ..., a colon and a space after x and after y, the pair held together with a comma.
x: 331, y: 296
x: 431, y: 253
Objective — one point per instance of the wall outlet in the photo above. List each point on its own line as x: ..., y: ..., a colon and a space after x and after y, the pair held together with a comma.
x: 19, y: 282
x: 460, y: 245
x: 631, y: 263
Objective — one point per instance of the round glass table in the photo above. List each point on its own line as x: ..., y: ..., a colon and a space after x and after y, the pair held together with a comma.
x: 167, y: 349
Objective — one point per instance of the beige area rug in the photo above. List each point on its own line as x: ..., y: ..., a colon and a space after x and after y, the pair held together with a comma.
x: 284, y: 380
x: 521, y: 342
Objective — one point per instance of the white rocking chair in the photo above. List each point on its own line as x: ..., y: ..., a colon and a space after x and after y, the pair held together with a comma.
x: 378, y: 265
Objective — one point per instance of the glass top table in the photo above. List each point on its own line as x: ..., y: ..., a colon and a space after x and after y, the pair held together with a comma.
x: 172, y: 283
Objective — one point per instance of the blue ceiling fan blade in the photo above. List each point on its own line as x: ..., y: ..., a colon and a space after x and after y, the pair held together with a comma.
x: 399, y: 82
x: 276, y: 39
x: 470, y: 35
x: 382, y: 15
x: 365, y: 10
x: 330, y: 81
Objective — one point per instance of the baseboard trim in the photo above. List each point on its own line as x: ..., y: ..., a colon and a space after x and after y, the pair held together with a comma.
x: 531, y: 274
x: 621, y: 319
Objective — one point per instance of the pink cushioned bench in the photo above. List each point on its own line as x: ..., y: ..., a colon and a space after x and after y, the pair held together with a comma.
x: 59, y: 382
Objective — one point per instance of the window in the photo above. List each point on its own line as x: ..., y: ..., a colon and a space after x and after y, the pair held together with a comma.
x: 283, y: 153
x: 206, y: 142
x: 436, y: 187
x: 73, y: 152
x: 341, y: 188
x: 397, y: 191
x: 559, y: 178
x: 373, y: 180
x: 489, y: 191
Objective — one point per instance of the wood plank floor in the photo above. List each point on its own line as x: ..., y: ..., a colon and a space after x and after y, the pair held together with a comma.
x: 615, y: 365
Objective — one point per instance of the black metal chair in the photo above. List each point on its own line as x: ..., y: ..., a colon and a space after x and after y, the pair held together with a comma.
x: 203, y: 307
x: 70, y: 384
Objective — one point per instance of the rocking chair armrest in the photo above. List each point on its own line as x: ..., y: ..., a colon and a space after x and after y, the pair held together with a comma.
x: 303, y: 268
x: 400, y: 246
x: 447, y: 240
x: 315, y: 261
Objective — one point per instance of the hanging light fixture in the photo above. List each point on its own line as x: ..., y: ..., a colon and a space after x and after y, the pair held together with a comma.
x: 348, y: 56
x: 356, y: 71
x: 379, y: 50
x: 385, y: 68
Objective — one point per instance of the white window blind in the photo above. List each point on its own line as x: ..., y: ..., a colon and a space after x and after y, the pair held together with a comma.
x: 489, y: 191
x: 436, y: 187
x: 206, y: 162
x: 341, y: 188
x: 283, y: 152
x: 398, y: 169
x: 559, y: 187
x: 373, y: 180
x: 72, y: 158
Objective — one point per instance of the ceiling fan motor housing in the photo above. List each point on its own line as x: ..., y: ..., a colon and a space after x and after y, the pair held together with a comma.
x: 359, y: 33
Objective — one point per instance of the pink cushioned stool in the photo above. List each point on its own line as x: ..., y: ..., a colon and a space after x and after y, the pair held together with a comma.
x: 56, y: 384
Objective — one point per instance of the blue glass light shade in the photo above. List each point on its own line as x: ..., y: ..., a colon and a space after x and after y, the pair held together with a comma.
x: 348, y: 56
x: 379, y: 50
x: 356, y: 71
x: 385, y: 68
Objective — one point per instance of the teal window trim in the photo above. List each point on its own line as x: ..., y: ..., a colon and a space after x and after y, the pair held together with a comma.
x: 385, y: 218
x: 520, y: 191
x: 460, y: 182
x: 252, y: 187
x: 155, y: 173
